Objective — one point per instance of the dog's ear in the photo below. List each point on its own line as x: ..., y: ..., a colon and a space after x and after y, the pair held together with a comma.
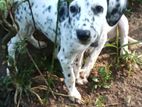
x: 115, y: 9
x: 63, y: 10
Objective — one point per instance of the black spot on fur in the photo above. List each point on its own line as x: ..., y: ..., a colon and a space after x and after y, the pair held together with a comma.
x: 25, y: 8
x: 84, y: 24
x: 32, y: 4
x: 36, y: 6
x: 69, y: 75
x: 95, y: 44
x: 118, y: 5
x: 69, y: 20
x: 63, y: 49
x: 93, y: 19
x: 61, y: 60
x: 47, y: 9
x: 86, y: 19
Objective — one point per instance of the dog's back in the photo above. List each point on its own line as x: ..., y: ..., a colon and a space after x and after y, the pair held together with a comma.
x: 42, y: 14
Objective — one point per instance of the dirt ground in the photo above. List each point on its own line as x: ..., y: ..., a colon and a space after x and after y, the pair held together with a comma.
x: 125, y: 91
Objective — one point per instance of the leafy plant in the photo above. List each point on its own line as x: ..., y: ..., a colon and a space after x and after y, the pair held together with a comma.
x: 103, y: 79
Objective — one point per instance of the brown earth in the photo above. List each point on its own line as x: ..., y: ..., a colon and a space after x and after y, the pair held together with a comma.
x: 125, y: 91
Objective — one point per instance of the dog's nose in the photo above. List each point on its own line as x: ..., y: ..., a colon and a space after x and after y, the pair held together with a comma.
x: 83, y: 35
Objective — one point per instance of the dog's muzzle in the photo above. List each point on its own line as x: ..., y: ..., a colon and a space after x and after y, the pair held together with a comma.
x: 83, y: 36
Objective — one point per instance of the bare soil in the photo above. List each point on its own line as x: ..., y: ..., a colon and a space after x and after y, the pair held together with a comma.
x: 125, y: 91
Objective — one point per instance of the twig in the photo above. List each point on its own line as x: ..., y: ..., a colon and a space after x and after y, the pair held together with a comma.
x: 60, y: 94
x: 18, y: 104
x: 41, y: 87
x: 31, y: 58
x: 37, y: 96
x: 18, y: 91
x: 11, y: 28
x: 15, y: 96
x: 55, y: 41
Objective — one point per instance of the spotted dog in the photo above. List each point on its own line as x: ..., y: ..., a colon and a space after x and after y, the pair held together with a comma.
x: 82, y: 23
x: 94, y: 50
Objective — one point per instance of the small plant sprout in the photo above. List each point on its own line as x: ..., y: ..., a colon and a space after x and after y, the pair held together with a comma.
x: 102, y: 80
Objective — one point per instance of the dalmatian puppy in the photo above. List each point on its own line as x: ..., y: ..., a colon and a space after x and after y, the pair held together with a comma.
x: 81, y: 23
x: 96, y: 48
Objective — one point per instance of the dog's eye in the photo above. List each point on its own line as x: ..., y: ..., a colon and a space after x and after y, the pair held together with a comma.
x: 73, y: 9
x: 97, y: 9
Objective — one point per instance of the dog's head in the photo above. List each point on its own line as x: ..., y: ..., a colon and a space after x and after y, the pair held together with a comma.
x: 87, y: 17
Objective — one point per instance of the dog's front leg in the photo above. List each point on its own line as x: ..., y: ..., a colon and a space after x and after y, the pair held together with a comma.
x: 77, y: 67
x: 66, y: 60
x: 93, y: 55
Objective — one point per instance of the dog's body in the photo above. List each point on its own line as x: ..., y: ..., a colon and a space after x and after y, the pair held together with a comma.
x: 81, y: 24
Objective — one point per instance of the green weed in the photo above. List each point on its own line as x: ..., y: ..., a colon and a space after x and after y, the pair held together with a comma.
x: 103, y: 79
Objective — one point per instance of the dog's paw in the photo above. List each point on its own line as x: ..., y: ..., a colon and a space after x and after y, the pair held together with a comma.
x: 124, y: 51
x: 75, y: 96
x: 81, y: 81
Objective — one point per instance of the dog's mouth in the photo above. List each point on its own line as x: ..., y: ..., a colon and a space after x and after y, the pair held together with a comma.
x: 85, y: 42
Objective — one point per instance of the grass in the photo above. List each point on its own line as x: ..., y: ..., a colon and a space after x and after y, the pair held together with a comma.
x: 22, y: 82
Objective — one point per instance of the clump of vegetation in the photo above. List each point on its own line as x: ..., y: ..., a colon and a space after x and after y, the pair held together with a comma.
x: 102, y: 79
x: 131, y: 60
